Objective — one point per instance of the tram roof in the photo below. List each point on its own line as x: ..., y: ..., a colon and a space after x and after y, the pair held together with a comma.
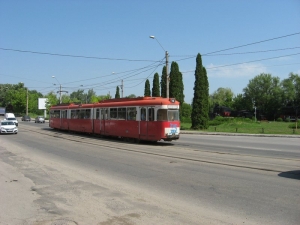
x: 122, y: 102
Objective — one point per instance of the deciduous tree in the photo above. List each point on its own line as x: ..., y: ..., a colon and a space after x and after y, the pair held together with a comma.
x: 266, y: 92
x: 222, y: 97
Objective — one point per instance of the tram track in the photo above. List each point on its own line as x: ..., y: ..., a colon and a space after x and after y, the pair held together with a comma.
x: 186, y: 153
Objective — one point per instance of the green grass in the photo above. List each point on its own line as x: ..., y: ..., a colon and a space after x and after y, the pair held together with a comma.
x: 233, y: 125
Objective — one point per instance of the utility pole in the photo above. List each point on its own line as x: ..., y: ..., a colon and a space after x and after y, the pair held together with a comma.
x: 60, y: 94
x: 122, y: 88
x: 167, y: 61
x: 26, y: 98
x: 27, y: 102
x: 60, y: 91
x: 167, y: 76
x: 254, y: 110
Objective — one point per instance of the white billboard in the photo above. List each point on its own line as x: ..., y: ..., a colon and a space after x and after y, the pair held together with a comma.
x: 42, y: 103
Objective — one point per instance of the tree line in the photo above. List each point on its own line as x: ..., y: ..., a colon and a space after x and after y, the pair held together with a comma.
x: 266, y: 93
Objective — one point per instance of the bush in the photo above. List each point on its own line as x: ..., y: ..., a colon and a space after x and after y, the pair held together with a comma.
x: 248, y: 120
x: 293, y: 126
x: 186, y: 120
x: 214, y: 122
x: 279, y: 119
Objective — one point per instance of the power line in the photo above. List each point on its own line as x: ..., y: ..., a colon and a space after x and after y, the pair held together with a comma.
x: 125, y: 76
x: 258, y: 60
x: 253, y: 43
x: 257, y: 42
x: 134, y: 70
x: 238, y: 53
x: 76, y: 56
x: 217, y: 67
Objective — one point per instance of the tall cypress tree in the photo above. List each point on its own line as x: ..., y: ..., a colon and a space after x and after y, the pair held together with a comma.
x: 155, y: 87
x: 163, y: 84
x: 201, y: 94
x: 147, y: 91
x: 117, y: 95
x: 176, y: 84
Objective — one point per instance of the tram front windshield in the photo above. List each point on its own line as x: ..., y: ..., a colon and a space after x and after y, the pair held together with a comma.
x: 168, y: 115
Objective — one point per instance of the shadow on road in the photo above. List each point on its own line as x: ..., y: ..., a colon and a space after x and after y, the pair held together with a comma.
x: 294, y: 174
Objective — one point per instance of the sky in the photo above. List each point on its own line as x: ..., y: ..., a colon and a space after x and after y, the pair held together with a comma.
x: 98, y: 44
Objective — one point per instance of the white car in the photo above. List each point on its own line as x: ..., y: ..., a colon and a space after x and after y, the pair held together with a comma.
x: 11, y: 117
x: 8, y: 127
x: 39, y: 119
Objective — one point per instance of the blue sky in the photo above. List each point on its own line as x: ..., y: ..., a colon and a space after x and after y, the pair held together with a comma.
x: 113, y: 39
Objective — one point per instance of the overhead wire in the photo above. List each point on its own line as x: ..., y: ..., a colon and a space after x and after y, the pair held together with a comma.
x: 155, y: 67
x: 253, y: 43
x: 76, y: 56
x: 258, y: 60
x: 145, y: 79
x: 241, y: 53
x: 107, y: 75
x: 125, y: 76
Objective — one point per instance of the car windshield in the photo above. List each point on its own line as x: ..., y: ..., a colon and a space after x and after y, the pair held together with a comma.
x: 7, y: 123
x: 11, y: 118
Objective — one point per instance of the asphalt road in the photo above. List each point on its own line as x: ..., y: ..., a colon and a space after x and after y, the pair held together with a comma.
x: 199, y: 179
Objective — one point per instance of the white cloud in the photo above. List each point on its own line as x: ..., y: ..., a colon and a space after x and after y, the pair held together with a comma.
x: 243, y: 70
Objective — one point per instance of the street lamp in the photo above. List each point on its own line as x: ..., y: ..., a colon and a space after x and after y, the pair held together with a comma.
x: 254, y: 110
x: 59, y: 89
x: 121, y: 86
x: 167, y: 58
x: 26, y: 98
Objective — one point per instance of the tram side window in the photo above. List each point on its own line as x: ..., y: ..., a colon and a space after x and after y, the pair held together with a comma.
x: 131, y: 113
x: 81, y: 114
x: 87, y: 114
x: 104, y: 114
x: 97, y: 114
x: 73, y: 113
x: 51, y: 114
x: 64, y: 114
x: 143, y: 114
x: 151, y: 114
x: 162, y: 115
x: 55, y: 114
x: 113, y: 113
x: 122, y: 113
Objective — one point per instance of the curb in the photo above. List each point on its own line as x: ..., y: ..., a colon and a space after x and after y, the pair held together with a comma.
x: 238, y: 134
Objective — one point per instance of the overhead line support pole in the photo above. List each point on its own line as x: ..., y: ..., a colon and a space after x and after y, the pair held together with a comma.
x: 167, y: 76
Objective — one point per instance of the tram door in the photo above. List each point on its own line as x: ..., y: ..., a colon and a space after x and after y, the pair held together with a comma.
x: 147, y: 131
x: 63, y: 121
x: 103, y: 120
x: 152, y: 132
x: 143, y: 124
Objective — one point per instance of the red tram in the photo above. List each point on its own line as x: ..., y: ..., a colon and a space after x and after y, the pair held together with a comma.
x: 142, y: 118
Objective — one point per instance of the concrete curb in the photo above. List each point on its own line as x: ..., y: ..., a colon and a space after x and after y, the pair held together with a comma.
x: 237, y: 134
